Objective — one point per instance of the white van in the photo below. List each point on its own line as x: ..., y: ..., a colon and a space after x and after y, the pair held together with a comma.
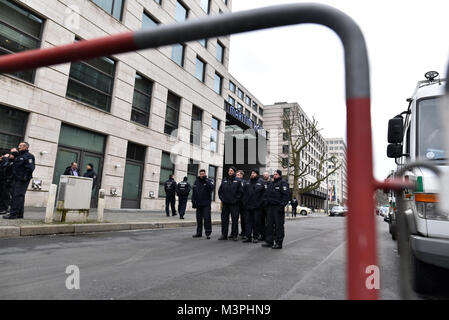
x: 416, y: 135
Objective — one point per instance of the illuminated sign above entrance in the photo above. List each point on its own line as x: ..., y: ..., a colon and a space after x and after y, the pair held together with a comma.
x: 245, y: 120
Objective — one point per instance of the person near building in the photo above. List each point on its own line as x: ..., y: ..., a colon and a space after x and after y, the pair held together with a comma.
x: 170, y: 196
x: 22, y: 171
x: 5, y: 192
x: 261, y: 218
x: 277, y: 196
x: 294, y: 204
x: 230, y: 193
x: 201, y: 201
x: 241, y: 174
x: 253, y: 193
x: 90, y: 173
x: 183, y: 190
x: 72, y: 170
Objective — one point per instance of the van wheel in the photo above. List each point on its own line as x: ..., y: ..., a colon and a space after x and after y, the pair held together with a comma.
x: 303, y: 212
x: 423, y: 276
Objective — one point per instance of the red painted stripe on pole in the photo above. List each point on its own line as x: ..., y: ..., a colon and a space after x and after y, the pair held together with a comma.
x: 361, y: 228
x: 81, y: 50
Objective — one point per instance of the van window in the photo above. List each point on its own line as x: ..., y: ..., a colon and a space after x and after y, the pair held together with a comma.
x: 430, y: 130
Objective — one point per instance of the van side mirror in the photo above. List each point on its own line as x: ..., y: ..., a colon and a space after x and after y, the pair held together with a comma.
x: 394, y: 150
x: 396, y: 130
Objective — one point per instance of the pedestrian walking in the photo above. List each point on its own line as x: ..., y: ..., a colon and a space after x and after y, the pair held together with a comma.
x: 294, y: 204
x: 241, y: 174
x: 277, y: 195
x: 170, y: 199
x: 72, y: 170
x: 90, y: 173
x: 183, y: 190
x: 253, y: 193
x: 22, y: 171
x: 230, y: 193
x: 201, y: 201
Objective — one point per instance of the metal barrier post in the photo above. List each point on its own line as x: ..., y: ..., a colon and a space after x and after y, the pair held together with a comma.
x: 101, y: 204
x: 50, y: 204
x: 361, y: 233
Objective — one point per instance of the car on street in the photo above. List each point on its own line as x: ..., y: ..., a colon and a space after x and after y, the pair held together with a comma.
x: 338, y: 211
x: 383, y: 210
x: 302, y: 210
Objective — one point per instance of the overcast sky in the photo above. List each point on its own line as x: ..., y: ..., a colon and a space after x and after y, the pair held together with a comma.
x: 304, y: 63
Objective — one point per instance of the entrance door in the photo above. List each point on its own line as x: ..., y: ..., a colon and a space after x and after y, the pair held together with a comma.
x: 63, y: 160
x: 132, y: 190
x: 96, y: 161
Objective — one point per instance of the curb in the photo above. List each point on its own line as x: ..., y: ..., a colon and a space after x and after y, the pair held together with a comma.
x: 37, y: 230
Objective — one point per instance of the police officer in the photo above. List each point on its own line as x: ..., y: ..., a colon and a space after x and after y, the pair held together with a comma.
x: 240, y: 174
x: 261, y: 217
x: 294, y: 203
x: 4, y: 190
x: 90, y: 173
x: 230, y: 193
x: 201, y: 201
x: 170, y: 199
x: 278, y: 196
x: 22, y: 170
x: 183, y: 190
x: 253, y: 193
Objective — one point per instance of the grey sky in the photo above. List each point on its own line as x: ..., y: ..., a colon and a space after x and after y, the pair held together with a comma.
x: 304, y: 63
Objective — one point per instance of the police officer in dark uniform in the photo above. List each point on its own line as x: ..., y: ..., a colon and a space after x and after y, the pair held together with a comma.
x: 294, y: 203
x: 183, y: 190
x: 170, y: 199
x: 201, y: 201
x: 241, y: 174
x: 278, y: 196
x: 230, y: 193
x: 253, y: 192
x: 5, y: 194
x: 22, y: 171
x: 261, y: 218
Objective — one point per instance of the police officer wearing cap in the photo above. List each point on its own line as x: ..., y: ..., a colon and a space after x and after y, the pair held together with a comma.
x: 230, y: 193
x: 241, y: 174
x: 170, y: 195
x: 183, y: 190
x: 253, y: 192
x: 22, y: 171
x: 277, y: 196
x: 201, y: 201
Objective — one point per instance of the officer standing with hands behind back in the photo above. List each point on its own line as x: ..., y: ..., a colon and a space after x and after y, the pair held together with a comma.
x: 22, y: 171
x: 277, y: 196
x: 183, y: 190
x: 201, y: 201
x: 230, y: 193
x: 170, y: 196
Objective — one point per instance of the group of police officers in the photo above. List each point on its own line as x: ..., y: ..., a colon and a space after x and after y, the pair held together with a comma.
x: 16, y: 171
x: 259, y: 203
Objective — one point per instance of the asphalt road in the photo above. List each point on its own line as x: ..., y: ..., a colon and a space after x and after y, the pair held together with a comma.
x: 170, y: 264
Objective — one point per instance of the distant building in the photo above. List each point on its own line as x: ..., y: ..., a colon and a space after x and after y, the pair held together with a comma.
x: 338, y: 190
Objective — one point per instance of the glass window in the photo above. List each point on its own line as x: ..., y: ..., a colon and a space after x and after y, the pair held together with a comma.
x: 218, y: 83
x: 254, y: 119
x: 142, y: 100
x: 231, y: 101
x: 285, y: 148
x: 240, y: 94
x: 192, y: 173
x: 205, y: 5
x: 239, y: 107
x: 255, y: 106
x: 248, y: 113
x: 260, y: 111
x: 220, y: 51
x: 200, y: 69
x: 181, y: 11
x: 248, y: 100
x: 213, y: 176
x: 260, y: 123
x: 285, y: 136
x: 203, y: 42
x: 196, y: 126
x: 158, y: 1
x: 430, y: 130
x: 136, y: 152
x: 148, y: 21
x: 113, y: 7
x: 20, y: 30
x: 177, y: 54
x: 12, y: 127
x: 214, y: 135
x: 232, y: 86
x: 167, y: 169
x: 82, y: 139
x: 92, y: 81
x: 172, y: 113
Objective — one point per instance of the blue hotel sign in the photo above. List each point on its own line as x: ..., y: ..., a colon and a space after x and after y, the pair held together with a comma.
x: 246, y: 120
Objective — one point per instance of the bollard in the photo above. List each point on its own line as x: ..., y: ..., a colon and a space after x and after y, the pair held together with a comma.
x: 100, y: 210
x: 50, y: 204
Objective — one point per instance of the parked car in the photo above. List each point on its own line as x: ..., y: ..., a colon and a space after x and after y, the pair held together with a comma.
x: 384, y: 210
x: 300, y: 210
x: 338, y: 211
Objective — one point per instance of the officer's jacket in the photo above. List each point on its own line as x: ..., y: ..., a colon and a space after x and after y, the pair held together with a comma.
x: 278, y: 193
x: 23, y: 166
x: 253, y: 192
x: 170, y: 187
x: 202, y: 192
x: 91, y: 174
x: 183, y: 189
x: 6, y: 175
x: 294, y: 203
x: 266, y: 183
x: 230, y: 191
x: 242, y: 199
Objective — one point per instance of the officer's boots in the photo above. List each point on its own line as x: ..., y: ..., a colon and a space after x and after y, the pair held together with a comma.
x: 277, y: 245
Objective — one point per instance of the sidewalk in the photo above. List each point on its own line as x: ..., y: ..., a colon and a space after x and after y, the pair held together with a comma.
x: 114, y: 220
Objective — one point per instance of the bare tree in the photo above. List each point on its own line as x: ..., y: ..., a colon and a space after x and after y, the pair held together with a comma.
x: 300, y: 135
